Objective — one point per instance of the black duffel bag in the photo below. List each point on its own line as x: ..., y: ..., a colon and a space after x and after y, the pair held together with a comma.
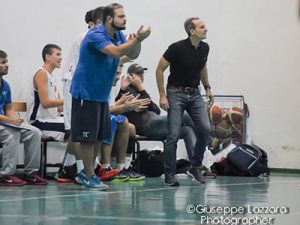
x: 249, y: 159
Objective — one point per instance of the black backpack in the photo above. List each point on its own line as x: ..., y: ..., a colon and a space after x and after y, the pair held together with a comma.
x: 249, y: 159
x: 151, y: 163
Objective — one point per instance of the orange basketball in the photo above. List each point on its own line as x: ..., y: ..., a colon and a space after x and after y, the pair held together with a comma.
x: 215, y: 114
x: 234, y: 115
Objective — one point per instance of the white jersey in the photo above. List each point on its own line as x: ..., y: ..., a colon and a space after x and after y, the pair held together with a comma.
x: 35, y: 110
x: 67, y: 76
x: 72, y: 59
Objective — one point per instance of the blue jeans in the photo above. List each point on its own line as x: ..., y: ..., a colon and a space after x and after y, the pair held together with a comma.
x: 156, y: 126
x: 193, y: 104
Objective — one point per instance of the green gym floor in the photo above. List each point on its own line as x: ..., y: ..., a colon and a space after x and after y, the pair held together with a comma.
x: 250, y: 200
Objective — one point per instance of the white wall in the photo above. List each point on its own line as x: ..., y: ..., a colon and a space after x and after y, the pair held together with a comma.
x: 254, y: 51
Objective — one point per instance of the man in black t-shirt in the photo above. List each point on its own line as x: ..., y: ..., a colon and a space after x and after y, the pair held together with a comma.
x: 187, y: 60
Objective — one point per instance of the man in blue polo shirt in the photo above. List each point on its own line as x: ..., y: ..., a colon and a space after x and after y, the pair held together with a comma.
x: 187, y: 60
x: 12, y: 132
x: 92, y: 82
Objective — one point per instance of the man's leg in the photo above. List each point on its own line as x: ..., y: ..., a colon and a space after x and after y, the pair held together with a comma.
x: 32, y: 142
x: 106, y: 150
x: 130, y: 146
x: 121, y: 143
x: 9, y: 138
x: 189, y: 137
x: 87, y: 155
x: 32, y: 147
x: 198, y: 113
x: 103, y: 169
x: 177, y: 101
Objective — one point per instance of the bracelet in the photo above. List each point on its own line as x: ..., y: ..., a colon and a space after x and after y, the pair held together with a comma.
x: 207, y: 87
x: 138, y: 39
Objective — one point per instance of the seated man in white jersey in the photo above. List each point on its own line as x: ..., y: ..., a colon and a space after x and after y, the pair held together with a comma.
x: 45, y: 105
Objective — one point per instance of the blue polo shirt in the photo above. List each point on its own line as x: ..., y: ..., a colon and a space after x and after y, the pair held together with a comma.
x: 5, y: 95
x: 95, y: 70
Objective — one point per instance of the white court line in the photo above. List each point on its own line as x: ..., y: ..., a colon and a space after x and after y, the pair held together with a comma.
x: 92, y: 192
x: 90, y: 217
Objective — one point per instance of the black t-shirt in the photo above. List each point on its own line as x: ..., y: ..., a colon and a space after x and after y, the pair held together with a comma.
x: 186, y: 62
x: 139, y: 118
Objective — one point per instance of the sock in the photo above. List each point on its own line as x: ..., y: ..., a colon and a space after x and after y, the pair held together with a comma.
x: 113, y: 161
x: 96, y: 162
x: 70, y: 160
x: 120, y: 166
x: 106, y: 165
x: 127, y: 161
x: 79, y: 164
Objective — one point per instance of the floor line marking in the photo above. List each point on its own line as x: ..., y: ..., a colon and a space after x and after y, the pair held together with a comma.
x: 49, y: 218
x: 144, y: 190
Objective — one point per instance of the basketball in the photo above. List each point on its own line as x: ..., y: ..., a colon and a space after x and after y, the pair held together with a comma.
x: 234, y: 115
x: 215, y: 114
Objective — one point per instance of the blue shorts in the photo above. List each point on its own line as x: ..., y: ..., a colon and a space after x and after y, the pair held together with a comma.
x: 90, y: 121
x: 115, y: 119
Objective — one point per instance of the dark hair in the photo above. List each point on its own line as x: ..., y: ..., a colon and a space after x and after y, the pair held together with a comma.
x: 110, y: 10
x: 89, y: 16
x: 97, y: 14
x: 3, y: 54
x: 48, y: 49
x: 188, y: 24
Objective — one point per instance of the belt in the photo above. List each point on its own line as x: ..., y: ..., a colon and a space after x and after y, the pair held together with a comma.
x: 185, y: 89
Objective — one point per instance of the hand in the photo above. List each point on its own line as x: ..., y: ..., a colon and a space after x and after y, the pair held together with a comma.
x: 142, y: 33
x: 163, y: 102
x: 137, y: 82
x: 130, y: 36
x: 123, y: 98
x: 144, y: 104
x: 125, y: 82
x: 17, y: 122
x: 131, y: 104
x: 210, y: 96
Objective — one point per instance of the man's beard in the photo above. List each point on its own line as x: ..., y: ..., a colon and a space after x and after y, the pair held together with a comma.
x: 5, y: 72
x: 116, y: 27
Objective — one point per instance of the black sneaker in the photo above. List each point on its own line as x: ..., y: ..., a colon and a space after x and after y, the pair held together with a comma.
x: 120, y: 177
x: 133, y: 175
x: 196, y: 174
x: 171, y: 180
x: 67, y: 174
x: 207, y: 173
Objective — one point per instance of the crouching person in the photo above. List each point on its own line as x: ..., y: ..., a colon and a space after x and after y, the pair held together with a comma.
x: 12, y: 132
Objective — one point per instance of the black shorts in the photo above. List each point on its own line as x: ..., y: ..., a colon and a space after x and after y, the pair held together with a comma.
x: 90, y: 121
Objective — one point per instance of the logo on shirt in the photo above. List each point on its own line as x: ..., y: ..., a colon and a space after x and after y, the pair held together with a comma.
x: 4, y: 92
x: 85, y: 134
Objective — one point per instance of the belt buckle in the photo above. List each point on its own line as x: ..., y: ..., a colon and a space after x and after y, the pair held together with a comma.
x: 189, y: 89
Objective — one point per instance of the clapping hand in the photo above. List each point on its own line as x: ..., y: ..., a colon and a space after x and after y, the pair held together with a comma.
x: 142, y: 33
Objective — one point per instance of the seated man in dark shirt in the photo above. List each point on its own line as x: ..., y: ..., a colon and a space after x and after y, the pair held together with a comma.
x: 149, y: 122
